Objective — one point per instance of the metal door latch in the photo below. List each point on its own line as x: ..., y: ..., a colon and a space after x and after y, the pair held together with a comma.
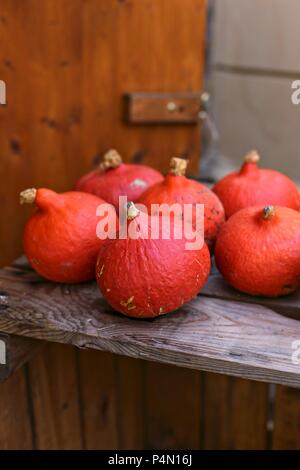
x: 165, y: 108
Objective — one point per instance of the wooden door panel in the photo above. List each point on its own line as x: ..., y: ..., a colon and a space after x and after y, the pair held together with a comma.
x: 236, y: 413
x: 287, y: 419
x: 67, y: 65
x: 55, y: 398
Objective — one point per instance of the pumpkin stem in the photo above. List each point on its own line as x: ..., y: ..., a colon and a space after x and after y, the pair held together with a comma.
x: 28, y: 196
x: 252, y: 157
x: 268, y: 212
x: 178, y: 166
x: 111, y: 159
x: 132, y: 211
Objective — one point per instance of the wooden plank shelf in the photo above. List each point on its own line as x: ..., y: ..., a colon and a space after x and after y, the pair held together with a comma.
x: 216, y: 287
x: 225, y: 335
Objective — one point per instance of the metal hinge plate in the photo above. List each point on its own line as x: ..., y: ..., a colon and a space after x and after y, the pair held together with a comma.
x: 163, y: 108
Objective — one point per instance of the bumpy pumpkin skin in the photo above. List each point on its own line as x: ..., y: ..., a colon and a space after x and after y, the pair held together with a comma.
x: 60, y: 238
x: 179, y: 189
x: 259, y: 253
x: 254, y: 186
x: 123, y: 179
x: 145, y: 278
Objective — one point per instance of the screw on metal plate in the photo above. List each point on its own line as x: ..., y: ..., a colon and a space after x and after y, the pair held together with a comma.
x: 3, y: 353
x: 171, y: 106
x: 202, y: 115
x: 205, y: 101
x: 2, y: 93
x: 205, y: 97
x: 206, y: 117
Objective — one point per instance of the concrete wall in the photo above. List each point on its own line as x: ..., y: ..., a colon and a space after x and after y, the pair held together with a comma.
x: 256, y: 56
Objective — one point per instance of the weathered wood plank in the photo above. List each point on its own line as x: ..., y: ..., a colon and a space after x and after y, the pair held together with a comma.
x: 173, y: 407
x: 286, y: 434
x: 235, y: 413
x: 217, y: 288
x: 55, y: 398
x: 235, y: 338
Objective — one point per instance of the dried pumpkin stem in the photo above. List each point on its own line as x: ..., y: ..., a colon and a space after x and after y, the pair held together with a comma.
x: 268, y: 212
x: 28, y: 196
x: 111, y: 159
x: 132, y: 211
x: 252, y: 157
x: 178, y: 166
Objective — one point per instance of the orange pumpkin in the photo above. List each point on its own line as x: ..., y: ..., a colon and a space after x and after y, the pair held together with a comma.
x: 60, y: 239
x: 254, y: 186
x: 177, y: 188
x: 258, y: 251
x: 145, y: 277
x: 114, y: 178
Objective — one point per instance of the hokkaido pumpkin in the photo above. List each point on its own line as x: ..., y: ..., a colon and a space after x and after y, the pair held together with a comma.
x: 60, y: 238
x: 254, y: 186
x: 258, y: 251
x: 145, y: 277
x: 114, y: 178
x: 177, y: 188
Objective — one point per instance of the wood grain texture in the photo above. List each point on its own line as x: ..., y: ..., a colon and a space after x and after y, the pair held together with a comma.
x: 98, y: 392
x: 67, y: 65
x: 40, y: 61
x: 55, y: 398
x: 235, y: 338
x: 235, y: 413
x: 286, y: 434
x: 173, y: 407
x: 15, y: 418
x: 111, y: 399
x: 131, y: 403
x: 216, y: 287
x: 142, y: 45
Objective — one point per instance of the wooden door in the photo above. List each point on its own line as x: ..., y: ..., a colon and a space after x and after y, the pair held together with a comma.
x: 67, y: 65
